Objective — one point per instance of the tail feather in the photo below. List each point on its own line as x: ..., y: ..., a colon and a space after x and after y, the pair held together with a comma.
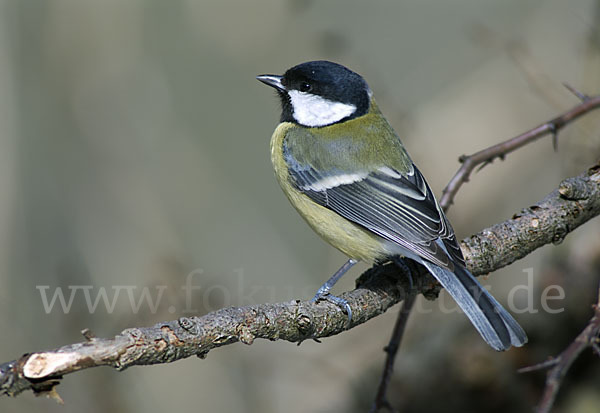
x: 497, y: 327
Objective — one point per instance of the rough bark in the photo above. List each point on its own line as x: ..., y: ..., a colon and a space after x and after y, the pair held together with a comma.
x: 573, y: 203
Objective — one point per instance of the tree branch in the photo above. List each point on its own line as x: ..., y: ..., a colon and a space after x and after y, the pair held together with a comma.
x: 483, y: 157
x: 548, y: 221
x: 500, y: 150
x: 576, y: 201
x: 391, y: 350
x: 561, y: 363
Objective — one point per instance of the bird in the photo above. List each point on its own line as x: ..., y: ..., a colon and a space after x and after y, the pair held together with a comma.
x: 346, y: 172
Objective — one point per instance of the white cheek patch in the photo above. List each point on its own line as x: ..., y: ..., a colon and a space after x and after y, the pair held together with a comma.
x: 333, y: 181
x: 312, y: 110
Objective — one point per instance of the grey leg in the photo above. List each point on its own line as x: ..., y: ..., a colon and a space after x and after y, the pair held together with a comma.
x: 323, y: 291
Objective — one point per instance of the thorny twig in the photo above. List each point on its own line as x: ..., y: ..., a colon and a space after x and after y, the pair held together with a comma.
x: 561, y: 363
x: 483, y: 158
x: 391, y: 350
x: 576, y: 201
x: 500, y: 150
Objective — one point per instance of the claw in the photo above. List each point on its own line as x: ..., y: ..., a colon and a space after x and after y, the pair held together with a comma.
x: 340, y: 302
x: 323, y: 291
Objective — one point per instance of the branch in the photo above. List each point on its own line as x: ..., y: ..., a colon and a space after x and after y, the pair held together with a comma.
x: 500, y: 150
x: 575, y: 202
x: 561, y: 364
x: 391, y: 350
x: 484, y: 158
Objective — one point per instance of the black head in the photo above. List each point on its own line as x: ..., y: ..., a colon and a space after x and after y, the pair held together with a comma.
x: 320, y: 93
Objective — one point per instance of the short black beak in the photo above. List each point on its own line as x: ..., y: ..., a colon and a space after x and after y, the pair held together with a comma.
x: 272, y: 80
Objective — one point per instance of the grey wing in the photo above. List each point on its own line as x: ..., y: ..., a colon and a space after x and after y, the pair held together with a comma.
x: 398, y: 207
x: 401, y: 208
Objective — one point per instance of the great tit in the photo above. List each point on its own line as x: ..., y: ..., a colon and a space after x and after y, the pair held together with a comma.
x: 346, y: 172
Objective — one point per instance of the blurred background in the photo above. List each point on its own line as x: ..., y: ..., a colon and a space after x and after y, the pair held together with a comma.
x: 134, y: 156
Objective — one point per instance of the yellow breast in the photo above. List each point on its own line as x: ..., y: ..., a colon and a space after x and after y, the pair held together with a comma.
x: 353, y: 240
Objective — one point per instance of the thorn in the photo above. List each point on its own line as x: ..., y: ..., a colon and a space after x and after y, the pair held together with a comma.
x: 382, y: 404
x: 88, y: 334
x: 596, y: 348
x: 483, y: 165
x: 53, y: 394
x: 581, y: 96
x: 48, y: 388
x: 554, y: 131
x: 539, y: 366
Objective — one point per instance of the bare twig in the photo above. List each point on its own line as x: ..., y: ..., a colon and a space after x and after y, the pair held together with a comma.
x: 482, y: 158
x: 580, y: 95
x: 561, y: 363
x: 391, y: 350
x: 500, y: 150
x: 575, y: 202
x: 540, y: 366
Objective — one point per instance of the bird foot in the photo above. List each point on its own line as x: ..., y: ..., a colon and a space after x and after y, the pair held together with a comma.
x: 340, y: 302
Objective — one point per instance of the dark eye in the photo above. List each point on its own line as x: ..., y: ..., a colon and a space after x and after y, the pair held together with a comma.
x: 305, y: 87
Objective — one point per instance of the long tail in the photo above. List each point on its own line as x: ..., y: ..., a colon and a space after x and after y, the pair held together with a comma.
x: 497, y: 327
